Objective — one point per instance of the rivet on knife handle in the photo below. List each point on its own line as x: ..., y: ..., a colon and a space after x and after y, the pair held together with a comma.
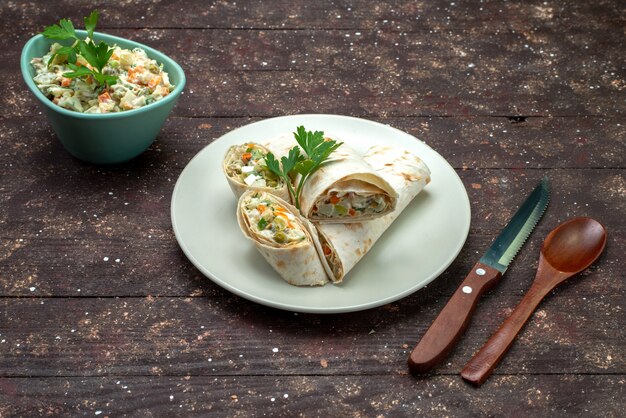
x: 453, y: 319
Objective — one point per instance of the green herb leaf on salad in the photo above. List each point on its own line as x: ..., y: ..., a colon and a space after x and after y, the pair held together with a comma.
x: 90, y: 23
x: 317, y: 151
x: 288, y: 164
x: 77, y: 71
x: 69, y: 51
x: 64, y: 30
x: 96, y: 55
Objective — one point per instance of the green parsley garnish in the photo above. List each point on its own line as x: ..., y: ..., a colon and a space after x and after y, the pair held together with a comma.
x: 317, y: 150
x: 96, y: 55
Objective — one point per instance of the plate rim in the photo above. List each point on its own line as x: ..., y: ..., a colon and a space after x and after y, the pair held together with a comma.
x: 309, y: 309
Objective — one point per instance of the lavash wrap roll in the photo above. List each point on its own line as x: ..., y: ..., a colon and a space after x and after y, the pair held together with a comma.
x: 238, y: 186
x: 297, y: 263
x: 349, y: 242
x: 345, y: 174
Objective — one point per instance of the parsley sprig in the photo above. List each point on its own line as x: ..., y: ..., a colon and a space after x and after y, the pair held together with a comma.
x: 96, y: 55
x: 317, y: 150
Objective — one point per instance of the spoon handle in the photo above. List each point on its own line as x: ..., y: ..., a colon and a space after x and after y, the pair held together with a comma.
x: 478, y: 369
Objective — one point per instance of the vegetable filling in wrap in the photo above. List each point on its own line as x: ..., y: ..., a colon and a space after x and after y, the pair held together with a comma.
x: 331, y: 257
x: 284, y: 238
x: 271, y: 221
x: 343, y: 245
x: 350, y: 204
x: 344, y: 189
x: 244, y: 167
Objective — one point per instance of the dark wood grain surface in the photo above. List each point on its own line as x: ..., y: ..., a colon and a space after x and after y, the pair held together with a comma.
x: 102, y: 314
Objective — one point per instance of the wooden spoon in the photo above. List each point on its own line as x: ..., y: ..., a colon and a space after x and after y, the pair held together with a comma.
x: 567, y: 250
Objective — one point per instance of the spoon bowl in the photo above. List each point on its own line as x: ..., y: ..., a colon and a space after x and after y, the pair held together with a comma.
x: 574, y: 245
x: 567, y: 250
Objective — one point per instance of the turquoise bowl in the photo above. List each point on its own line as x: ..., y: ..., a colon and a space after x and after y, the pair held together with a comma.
x: 106, y: 138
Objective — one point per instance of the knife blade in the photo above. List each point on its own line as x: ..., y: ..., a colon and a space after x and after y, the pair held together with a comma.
x: 454, y: 318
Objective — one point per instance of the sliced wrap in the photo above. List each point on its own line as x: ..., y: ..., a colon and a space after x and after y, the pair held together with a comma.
x: 341, y: 246
x: 285, y: 239
x: 344, y: 189
x: 244, y: 168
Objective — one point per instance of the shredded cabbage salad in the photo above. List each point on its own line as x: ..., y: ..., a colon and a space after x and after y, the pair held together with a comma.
x: 141, y: 81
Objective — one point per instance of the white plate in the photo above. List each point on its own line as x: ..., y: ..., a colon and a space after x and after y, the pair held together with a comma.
x: 416, y: 249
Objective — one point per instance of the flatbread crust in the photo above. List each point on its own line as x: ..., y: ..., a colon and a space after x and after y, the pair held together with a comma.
x: 297, y: 263
x: 345, y: 172
x: 349, y: 242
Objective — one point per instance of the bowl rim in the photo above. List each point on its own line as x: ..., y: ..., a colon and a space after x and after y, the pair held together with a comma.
x: 152, y: 53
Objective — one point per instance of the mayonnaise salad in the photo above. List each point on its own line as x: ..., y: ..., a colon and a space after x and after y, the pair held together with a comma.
x: 246, y: 164
x: 269, y: 219
x: 141, y: 81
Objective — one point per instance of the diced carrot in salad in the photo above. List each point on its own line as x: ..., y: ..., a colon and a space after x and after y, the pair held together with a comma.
x: 154, y: 82
x: 104, y: 97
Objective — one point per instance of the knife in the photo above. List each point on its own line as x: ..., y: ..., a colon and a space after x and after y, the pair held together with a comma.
x: 452, y: 321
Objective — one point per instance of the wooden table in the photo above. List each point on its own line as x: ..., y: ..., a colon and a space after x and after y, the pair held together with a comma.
x: 102, y: 314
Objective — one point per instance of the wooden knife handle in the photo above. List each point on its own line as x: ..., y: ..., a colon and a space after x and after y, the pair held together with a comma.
x: 453, y: 319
